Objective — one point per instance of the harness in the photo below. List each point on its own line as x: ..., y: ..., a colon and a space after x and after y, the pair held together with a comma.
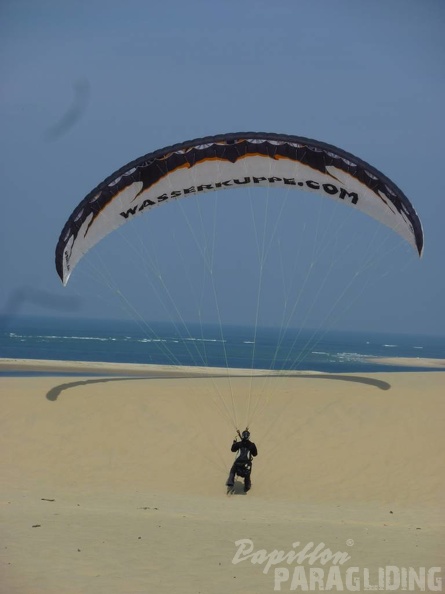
x: 243, y: 462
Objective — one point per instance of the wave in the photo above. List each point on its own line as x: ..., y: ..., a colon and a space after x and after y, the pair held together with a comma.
x: 55, y: 337
x: 109, y: 338
x: 350, y: 356
x: 204, y: 339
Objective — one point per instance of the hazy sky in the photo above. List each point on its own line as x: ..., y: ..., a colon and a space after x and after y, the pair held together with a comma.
x: 87, y: 86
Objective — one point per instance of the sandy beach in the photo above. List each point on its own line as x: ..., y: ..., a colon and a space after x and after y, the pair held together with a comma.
x: 114, y: 484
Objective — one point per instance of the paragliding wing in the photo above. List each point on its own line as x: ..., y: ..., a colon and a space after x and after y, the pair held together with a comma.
x: 233, y: 161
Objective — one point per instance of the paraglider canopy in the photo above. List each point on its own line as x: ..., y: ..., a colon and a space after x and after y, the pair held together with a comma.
x: 230, y: 161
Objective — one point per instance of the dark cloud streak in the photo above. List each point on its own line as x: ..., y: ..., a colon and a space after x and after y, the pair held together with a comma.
x: 74, y: 112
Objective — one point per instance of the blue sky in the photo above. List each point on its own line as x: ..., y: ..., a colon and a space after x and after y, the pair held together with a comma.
x: 366, y: 76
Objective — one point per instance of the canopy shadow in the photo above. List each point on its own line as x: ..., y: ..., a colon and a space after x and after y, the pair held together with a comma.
x: 55, y: 392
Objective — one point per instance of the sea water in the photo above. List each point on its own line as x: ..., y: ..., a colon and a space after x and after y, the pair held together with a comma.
x: 119, y: 341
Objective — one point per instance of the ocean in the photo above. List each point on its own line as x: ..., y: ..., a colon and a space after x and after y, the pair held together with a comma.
x: 238, y: 347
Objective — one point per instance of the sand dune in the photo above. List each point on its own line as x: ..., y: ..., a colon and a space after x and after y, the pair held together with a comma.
x: 410, y: 362
x: 116, y: 484
x: 55, y: 366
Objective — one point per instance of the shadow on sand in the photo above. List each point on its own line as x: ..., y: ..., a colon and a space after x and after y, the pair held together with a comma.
x: 237, y: 489
x: 55, y: 392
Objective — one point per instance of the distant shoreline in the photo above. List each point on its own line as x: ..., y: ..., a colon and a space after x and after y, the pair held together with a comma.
x: 409, y: 362
x: 137, y: 369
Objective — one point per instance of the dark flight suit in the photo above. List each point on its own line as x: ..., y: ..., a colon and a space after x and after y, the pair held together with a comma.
x: 243, y: 463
